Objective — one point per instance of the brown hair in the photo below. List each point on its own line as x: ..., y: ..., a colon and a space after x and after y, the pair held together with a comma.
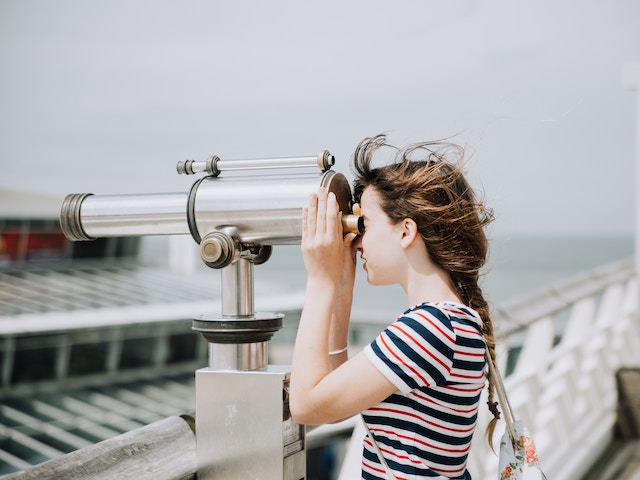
x: 435, y: 194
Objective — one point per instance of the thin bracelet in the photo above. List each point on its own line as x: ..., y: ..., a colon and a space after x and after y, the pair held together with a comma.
x: 342, y: 350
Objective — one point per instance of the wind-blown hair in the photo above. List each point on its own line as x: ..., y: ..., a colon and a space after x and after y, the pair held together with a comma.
x: 425, y: 182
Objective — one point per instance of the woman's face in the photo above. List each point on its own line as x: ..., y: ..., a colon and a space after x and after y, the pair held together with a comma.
x: 379, y: 245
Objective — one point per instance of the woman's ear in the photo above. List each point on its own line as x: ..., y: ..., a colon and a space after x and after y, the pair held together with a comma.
x: 409, y: 232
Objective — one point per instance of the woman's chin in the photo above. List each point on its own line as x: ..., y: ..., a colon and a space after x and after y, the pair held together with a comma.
x: 364, y: 267
x: 371, y: 279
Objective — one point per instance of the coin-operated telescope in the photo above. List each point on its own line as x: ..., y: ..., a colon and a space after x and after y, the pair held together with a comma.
x: 236, y: 212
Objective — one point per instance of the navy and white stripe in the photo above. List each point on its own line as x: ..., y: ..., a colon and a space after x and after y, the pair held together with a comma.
x: 434, y: 355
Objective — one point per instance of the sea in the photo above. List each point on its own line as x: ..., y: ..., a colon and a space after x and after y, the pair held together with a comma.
x: 516, y: 266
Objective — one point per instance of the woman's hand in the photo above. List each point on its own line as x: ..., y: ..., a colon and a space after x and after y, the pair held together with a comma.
x: 322, y: 244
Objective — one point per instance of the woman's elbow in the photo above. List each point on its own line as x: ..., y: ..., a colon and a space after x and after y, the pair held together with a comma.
x: 300, y: 411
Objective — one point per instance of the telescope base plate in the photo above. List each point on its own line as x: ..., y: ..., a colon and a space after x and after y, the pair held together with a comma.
x: 258, y: 327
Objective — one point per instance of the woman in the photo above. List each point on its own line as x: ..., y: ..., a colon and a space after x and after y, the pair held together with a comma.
x: 418, y: 383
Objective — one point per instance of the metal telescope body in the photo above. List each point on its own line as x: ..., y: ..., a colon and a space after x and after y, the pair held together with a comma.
x: 237, y: 211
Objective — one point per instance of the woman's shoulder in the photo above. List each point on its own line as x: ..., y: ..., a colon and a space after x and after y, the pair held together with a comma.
x: 444, y: 312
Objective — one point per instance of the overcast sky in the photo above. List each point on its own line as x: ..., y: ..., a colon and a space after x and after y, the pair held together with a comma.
x: 106, y: 96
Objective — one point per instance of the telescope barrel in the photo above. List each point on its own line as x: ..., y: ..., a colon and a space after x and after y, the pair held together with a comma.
x: 87, y: 217
x: 258, y: 210
x: 265, y: 210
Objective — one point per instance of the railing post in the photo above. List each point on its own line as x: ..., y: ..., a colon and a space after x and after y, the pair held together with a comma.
x: 630, y: 342
x: 557, y: 405
x: 631, y: 81
x: 525, y: 385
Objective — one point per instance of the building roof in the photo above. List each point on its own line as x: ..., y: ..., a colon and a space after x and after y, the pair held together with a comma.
x: 91, y: 294
x: 22, y: 204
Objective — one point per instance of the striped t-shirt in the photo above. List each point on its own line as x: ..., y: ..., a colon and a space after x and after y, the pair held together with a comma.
x: 434, y: 354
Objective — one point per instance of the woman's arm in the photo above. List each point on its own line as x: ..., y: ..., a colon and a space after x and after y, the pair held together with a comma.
x: 339, y: 330
x: 318, y: 393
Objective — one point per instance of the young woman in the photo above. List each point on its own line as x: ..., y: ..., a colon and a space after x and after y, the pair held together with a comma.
x: 418, y: 383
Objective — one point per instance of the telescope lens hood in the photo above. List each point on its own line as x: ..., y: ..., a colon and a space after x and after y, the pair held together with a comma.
x: 70, y: 220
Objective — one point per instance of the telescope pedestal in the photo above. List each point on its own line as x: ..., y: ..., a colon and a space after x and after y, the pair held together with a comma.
x: 244, y: 427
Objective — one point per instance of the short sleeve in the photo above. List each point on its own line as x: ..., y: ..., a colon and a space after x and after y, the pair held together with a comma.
x: 416, y: 350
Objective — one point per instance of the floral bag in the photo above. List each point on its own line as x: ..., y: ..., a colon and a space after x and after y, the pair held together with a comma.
x: 518, y: 458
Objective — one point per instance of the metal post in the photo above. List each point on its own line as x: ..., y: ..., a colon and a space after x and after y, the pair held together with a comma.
x: 237, y: 289
x: 238, y: 302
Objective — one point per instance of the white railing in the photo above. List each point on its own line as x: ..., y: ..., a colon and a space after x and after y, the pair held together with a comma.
x: 560, y: 349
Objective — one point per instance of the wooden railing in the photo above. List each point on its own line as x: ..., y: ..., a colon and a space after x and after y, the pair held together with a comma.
x: 163, y: 450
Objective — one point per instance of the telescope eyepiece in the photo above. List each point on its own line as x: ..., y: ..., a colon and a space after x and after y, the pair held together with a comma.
x: 184, y: 168
x: 352, y: 224
x: 326, y: 160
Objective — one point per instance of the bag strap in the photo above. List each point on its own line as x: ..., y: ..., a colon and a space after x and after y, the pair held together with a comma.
x: 509, y: 417
x: 389, y: 473
x: 503, y: 400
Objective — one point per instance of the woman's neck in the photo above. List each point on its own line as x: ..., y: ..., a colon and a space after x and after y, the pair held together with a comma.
x: 434, y: 285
